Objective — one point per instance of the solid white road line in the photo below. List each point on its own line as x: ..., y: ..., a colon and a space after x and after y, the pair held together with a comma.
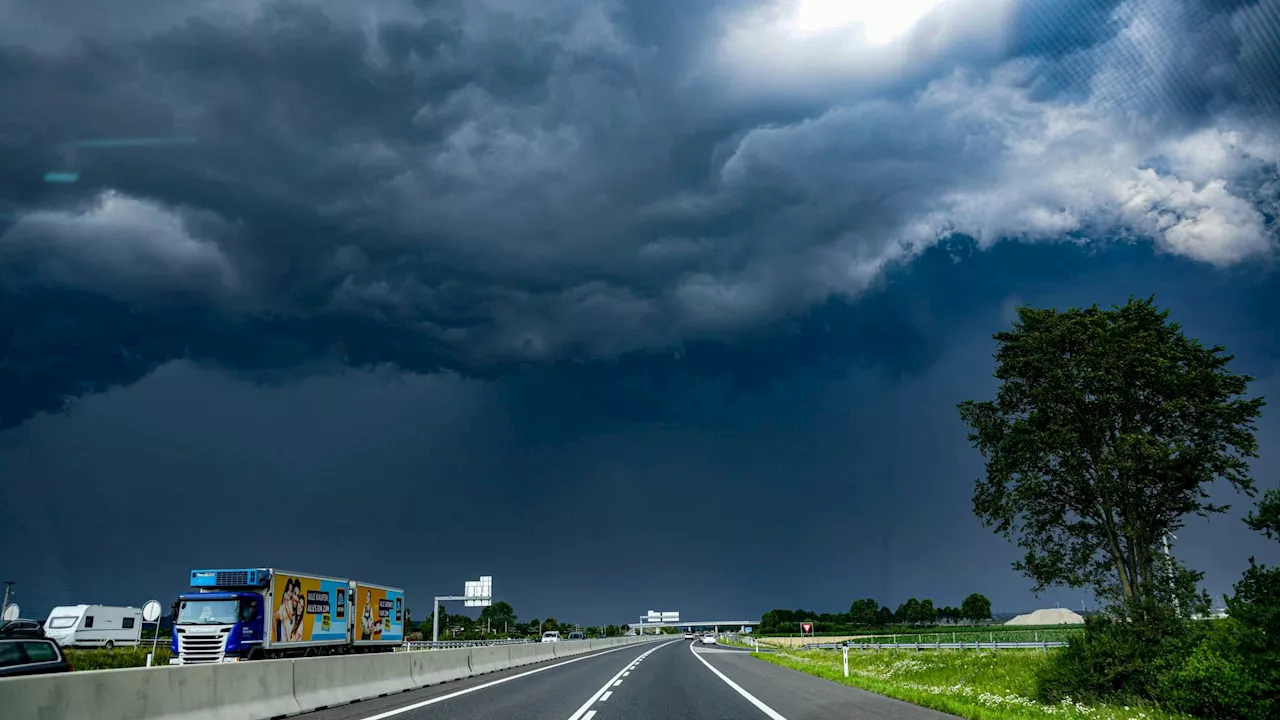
x: 460, y: 693
x: 774, y: 714
x: 614, y: 681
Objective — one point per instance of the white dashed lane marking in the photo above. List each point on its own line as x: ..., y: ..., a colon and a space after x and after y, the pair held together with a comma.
x: 583, y: 713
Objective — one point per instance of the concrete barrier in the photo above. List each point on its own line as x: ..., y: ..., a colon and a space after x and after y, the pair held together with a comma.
x: 238, y: 691
x: 332, y: 681
x: 490, y: 659
x: 567, y: 649
x: 437, y: 666
x: 522, y: 655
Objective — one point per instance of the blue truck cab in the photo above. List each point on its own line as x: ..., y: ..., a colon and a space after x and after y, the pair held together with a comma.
x: 224, y: 619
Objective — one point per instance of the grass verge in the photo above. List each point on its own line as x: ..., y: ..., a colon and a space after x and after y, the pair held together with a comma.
x: 98, y: 659
x: 972, y: 684
x: 1056, y: 634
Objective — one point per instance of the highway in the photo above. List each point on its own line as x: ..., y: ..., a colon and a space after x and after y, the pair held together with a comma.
x: 674, y: 680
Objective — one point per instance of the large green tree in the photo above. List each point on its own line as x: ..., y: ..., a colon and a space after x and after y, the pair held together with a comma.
x: 862, y: 613
x: 976, y: 608
x: 1104, y: 434
x: 927, y: 614
x: 908, y: 612
x: 499, y: 616
x: 884, y: 617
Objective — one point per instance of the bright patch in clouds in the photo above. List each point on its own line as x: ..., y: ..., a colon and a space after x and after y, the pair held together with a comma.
x: 881, y: 22
x: 795, y: 46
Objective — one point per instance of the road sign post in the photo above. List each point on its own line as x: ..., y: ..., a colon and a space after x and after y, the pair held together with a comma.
x: 151, y: 614
x: 476, y: 593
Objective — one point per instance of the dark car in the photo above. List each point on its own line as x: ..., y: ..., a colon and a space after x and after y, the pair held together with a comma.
x: 21, y: 628
x: 31, y: 656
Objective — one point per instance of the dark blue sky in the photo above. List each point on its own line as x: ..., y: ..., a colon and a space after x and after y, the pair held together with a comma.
x: 602, y: 301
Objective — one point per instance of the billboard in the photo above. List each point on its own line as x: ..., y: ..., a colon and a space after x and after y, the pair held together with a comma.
x: 308, y: 609
x: 379, y: 614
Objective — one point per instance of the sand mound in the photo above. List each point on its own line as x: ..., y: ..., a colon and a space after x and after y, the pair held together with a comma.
x: 1050, y: 616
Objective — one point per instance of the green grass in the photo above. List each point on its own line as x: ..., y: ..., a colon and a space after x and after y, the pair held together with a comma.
x: 979, y: 685
x: 98, y: 659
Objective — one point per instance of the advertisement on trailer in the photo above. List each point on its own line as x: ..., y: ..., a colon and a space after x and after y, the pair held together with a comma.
x: 308, y: 609
x: 379, y: 614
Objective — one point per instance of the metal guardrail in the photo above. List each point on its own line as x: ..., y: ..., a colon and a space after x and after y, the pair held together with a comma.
x: 1041, y: 645
x: 449, y: 644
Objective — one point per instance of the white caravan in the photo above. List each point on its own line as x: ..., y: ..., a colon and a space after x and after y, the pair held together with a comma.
x: 94, y: 626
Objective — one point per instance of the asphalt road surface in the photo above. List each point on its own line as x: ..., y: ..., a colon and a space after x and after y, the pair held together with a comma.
x: 677, y: 680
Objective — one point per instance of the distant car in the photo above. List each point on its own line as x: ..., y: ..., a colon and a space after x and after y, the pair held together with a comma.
x: 21, y: 628
x: 551, y: 636
x: 688, y: 635
x: 709, y: 638
x: 577, y: 636
x: 31, y: 656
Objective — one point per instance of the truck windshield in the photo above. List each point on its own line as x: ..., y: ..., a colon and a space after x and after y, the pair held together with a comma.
x: 208, y: 612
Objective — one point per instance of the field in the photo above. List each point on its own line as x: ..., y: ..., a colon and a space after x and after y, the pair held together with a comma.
x: 972, y: 684
x: 98, y: 659
x: 1051, y: 633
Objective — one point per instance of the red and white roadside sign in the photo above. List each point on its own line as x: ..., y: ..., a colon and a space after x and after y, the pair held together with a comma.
x: 806, y: 628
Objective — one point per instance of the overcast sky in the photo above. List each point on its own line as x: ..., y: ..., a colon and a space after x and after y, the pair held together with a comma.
x: 631, y: 304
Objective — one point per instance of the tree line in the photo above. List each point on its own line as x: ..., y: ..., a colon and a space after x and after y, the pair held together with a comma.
x: 499, y: 621
x: 868, y: 614
x: 1105, y: 433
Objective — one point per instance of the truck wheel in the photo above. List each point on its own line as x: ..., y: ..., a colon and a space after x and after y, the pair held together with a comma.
x: 255, y: 654
x: 311, y: 652
x: 110, y: 645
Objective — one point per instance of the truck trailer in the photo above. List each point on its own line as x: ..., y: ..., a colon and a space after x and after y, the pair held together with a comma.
x: 263, y: 613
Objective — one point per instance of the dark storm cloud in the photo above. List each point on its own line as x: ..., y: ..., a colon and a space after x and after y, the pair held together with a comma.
x: 645, y: 489
x: 477, y: 185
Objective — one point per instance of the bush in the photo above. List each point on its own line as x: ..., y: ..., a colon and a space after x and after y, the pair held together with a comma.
x: 1213, y: 682
x: 1200, y: 669
x: 1116, y: 661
